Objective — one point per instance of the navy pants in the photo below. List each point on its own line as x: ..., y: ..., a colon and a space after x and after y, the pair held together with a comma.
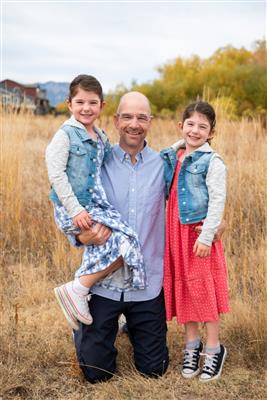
x: 147, y: 331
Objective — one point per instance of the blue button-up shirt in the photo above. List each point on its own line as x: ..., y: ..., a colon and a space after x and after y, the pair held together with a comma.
x: 137, y: 192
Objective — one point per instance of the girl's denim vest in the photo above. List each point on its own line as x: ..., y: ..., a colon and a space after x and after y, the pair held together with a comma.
x: 81, y: 165
x: 192, y: 190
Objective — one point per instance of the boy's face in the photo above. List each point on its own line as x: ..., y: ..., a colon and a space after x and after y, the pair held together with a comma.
x: 85, y: 107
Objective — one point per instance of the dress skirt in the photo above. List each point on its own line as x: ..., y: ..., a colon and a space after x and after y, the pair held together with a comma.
x: 195, y: 288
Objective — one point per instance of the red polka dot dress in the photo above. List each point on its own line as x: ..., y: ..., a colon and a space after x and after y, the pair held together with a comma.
x: 195, y: 288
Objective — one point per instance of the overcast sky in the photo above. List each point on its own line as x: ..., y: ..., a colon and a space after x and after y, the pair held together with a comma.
x: 118, y: 41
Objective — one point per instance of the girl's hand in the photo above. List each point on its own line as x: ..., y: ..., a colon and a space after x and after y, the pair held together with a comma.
x: 82, y: 220
x: 201, y: 250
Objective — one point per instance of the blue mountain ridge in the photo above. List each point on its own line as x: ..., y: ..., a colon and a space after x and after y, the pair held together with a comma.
x: 57, y: 92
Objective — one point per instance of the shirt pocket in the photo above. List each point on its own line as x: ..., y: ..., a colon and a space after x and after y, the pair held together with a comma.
x: 153, y: 201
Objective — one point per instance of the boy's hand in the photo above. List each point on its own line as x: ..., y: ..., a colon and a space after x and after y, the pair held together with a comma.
x: 82, y: 220
x: 201, y: 250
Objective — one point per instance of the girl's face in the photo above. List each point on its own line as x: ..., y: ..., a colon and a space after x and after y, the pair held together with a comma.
x: 86, y: 107
x: 196, y: 131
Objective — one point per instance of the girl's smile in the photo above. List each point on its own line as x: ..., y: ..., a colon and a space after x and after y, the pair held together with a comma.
x: 86, y: 107
x: 196, y: 131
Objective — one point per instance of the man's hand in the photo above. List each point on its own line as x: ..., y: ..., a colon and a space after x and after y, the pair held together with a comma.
x: 201, y: 250
x: 98, y: 234
x: 218, y: 234
x: 82, y: 220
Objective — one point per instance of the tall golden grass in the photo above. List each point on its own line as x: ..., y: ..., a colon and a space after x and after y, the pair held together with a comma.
x: 37, y: 355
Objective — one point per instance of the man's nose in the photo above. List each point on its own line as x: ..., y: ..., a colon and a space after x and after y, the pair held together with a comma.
x: 134, y: 123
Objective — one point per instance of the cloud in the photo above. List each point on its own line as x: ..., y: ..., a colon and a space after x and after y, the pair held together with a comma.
x: 118, y: 42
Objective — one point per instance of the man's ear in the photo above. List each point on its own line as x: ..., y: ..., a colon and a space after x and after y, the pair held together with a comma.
x: 103, y: 104
x: 116, y: 120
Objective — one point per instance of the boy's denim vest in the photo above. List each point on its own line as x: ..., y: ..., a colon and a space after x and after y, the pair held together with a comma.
x: 81, y: 165
x: 193, y: 194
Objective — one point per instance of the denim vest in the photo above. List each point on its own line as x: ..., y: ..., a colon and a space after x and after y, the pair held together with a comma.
x: 192, y: 190
x: 81, y: 165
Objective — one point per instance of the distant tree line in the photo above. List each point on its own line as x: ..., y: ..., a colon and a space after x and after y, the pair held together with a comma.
x: 235, y: 77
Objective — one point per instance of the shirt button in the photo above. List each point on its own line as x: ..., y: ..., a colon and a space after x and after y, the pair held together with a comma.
x: 132, y: 210
x: 94, y: 159
x: 184, y: 202
x: 187, y: 219
x: 93, y: 175
x: 91, y: 190
x: 183, y: 189
x: 132, y: 189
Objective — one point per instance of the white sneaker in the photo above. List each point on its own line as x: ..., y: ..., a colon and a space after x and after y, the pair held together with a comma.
x: 122, y: 324
x: 74, y: 306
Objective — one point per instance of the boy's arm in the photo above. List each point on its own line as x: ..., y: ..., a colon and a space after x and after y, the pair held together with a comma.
x: 216, y: 183
x: 57, y: 154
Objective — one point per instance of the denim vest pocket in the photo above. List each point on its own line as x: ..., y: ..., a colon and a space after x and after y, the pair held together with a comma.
x: 196, y: 174
x: 77, y: 150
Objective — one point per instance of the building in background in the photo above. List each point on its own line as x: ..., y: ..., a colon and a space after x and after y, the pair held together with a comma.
x: 16, y: 97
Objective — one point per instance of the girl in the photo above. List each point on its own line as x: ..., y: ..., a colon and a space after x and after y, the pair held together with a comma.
x: 74, y: 159
x: 195, y: 276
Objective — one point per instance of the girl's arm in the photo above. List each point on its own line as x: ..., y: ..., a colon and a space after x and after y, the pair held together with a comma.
x: 216, y: 184
x: 57, y: 154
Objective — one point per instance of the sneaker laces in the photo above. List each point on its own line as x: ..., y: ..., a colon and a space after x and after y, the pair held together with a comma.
x: 189, y: 358
x: 210, y: 362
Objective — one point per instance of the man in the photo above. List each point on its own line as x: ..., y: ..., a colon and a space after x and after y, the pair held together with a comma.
x: 134, y: 184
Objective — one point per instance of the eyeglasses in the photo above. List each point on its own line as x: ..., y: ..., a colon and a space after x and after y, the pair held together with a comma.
x: 141, y: 118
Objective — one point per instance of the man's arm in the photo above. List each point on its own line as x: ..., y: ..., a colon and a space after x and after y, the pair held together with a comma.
x: 96, y: 235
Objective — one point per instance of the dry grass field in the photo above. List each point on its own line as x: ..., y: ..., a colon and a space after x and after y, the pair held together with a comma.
x: 37, y: 359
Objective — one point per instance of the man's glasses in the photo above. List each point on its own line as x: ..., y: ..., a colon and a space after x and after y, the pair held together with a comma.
x: 141, y: 118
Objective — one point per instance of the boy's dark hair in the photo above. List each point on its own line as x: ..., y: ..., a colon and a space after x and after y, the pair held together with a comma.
x: 88, y: 83
x: 201, y: 107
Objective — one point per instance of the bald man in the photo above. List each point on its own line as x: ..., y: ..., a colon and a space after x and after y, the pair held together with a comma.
x: 134, y: 184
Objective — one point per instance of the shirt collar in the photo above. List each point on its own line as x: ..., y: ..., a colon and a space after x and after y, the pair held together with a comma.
x: 122, y: 155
